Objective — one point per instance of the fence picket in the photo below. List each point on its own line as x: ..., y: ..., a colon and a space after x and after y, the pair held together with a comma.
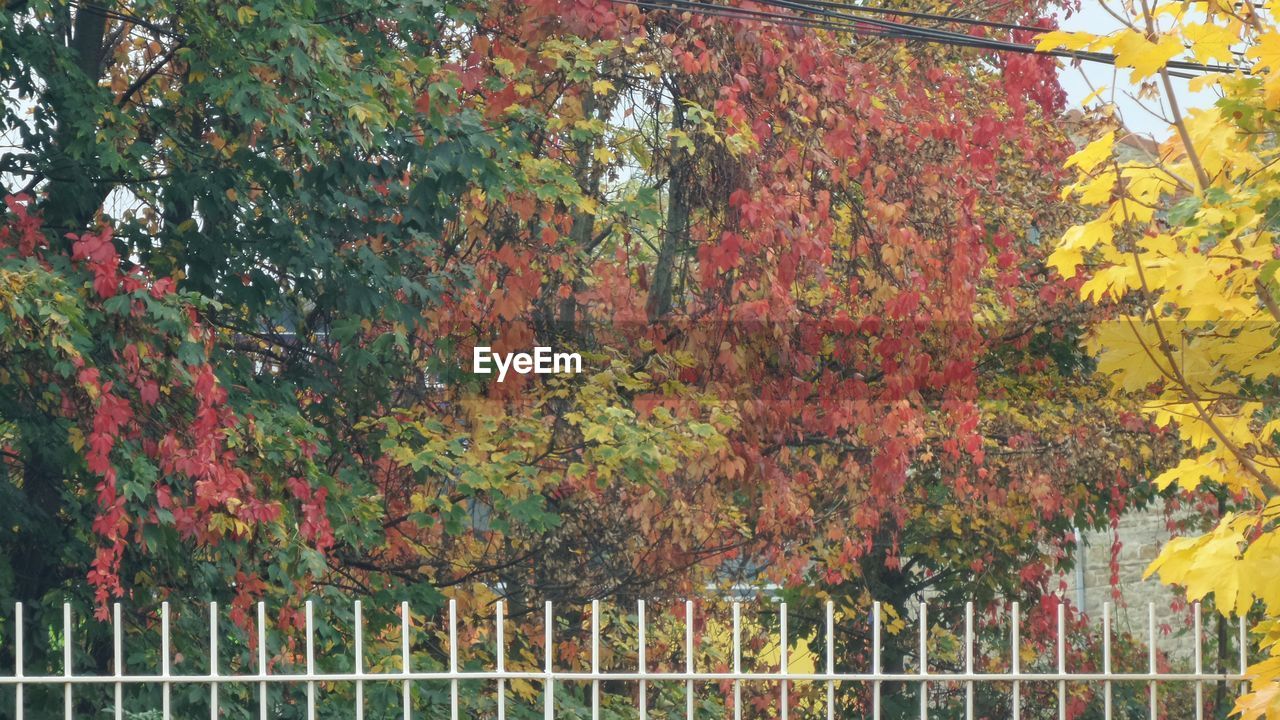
x: 824, y: 673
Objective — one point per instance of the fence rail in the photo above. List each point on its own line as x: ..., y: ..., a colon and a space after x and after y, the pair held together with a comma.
x: 549, y: 676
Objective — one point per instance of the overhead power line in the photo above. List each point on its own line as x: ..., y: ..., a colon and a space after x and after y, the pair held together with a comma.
x: 865, y: 21
x: 841, y: 9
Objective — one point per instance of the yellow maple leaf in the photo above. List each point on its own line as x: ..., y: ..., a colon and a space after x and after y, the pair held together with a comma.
x: 1089, y: 235
x: 1134, y: 50
x: 1264, y: 702
x: 1094, y: 95
x: 1114, y: 281
x: 1261, y: 568
x: 1064, y: 260
x: 1124, y: 353
x: 1266, y: 53
x: 1093, y: 154
x: 1075, y: 241
x: 1097, y: 190
x: 1203, y: 565
x: 1066, y: 40
x: 1190, y: 472
x: 1210, y: 42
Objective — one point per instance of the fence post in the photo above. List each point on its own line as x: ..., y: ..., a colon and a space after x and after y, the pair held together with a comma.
x: 831, y: 661
x: 406, y: 664
x: 643, y: 662
x: 66, y: 659
x: 311, y: 663
x: 262, y: 661
x: 453, y: 658
x: 782, y: 639
x: 1199, y: 664
x: 359, y: 638
x: 17, y: 659
x: 924, y: 660
x: 688, y: 659
x: 117, y: 657
x: 213, y: 660
x: 737, y: 660
x: 500, y: 641
x: 1106, y: 659
x: 595, y: 659
x: 968, y: 660
x: 1062, y: 659
x: 1244, y: 656
x: 875, y: 660
x: 1151, y: 660
x: 166, y: 652
x: 549, y: 689
x: 1015, y: 642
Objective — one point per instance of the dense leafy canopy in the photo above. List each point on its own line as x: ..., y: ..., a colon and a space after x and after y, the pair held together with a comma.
x: 249, y: 249
x: 1184, y: 250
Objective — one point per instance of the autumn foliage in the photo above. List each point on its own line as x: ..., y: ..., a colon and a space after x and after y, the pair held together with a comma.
x: 122, y: 369
x: 1182, y: 249
x: 805, y: 270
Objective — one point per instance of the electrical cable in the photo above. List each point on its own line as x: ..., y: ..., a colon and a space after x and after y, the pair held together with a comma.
x: 830, y: 19
x: 814, y: 5
x: 840, y: 7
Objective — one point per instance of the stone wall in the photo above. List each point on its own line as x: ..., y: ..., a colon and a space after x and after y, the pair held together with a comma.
x: 1141, y: 535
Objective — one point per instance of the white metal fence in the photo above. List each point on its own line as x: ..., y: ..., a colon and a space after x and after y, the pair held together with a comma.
x: 642, y: 677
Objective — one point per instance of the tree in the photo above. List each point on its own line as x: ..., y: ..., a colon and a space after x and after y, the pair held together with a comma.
x: 195, y: 315
x: 807, y: 300
x: 779, y: 265
x: 1184, y: 250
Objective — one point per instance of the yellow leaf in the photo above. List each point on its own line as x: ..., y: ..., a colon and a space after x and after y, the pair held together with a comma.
x: 1064, y: 260
x: 1097, y: 190
x: 1089, y: 235
x: 1093, y: 154
x: 1113, y: 281
x: 1260, y: 572
x: 1075, y: 242
x: 246, y: 14
x: 1093, y: 95
x: 1160, y: 244
x: 1204, y: 565
x: 1200, y: 82
x: 504, y: 66
x: 1210, y: 42
x: 1266, y: 53
x: 1123, y: 349
x: 1189, y: 473
x: 525, y: 690
x: 1065, y: 40
x: 1147, y: 184
x: 1264, y: 702
x: 600, y: 87
x: 1133, y: 50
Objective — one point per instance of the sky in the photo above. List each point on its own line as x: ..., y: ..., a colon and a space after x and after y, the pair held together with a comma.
x: 1076, y: 81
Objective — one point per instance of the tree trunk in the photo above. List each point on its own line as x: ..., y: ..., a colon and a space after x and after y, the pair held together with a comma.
x: 676, y: 236
x: 74, y: 192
